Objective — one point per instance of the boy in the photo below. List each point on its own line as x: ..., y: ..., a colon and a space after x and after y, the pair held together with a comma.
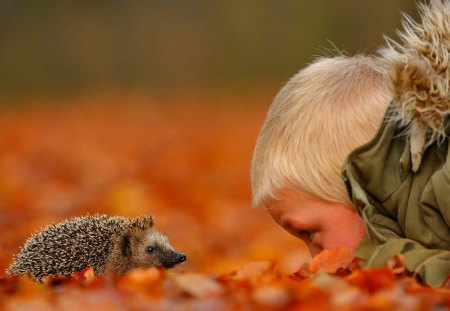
x: 394, y: 195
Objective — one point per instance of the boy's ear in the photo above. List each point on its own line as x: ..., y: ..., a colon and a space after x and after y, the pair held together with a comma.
x: 143, y: 222
x: 125, y: 245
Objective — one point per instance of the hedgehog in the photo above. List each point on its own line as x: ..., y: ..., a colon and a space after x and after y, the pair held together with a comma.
x: 112, y: 244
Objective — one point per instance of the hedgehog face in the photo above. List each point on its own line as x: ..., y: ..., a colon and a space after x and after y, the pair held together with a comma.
x: 153, y: 249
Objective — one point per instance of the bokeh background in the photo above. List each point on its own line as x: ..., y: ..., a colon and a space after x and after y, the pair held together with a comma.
x: 51, y: 46
x: 131, y: 107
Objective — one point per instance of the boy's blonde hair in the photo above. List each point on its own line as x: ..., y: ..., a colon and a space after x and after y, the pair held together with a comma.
x: 324, y: 112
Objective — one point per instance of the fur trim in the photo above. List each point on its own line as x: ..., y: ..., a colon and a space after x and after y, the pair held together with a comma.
x: 419, y: 72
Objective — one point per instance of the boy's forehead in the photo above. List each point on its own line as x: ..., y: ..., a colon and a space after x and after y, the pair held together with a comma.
x: 290, y: 202
x: 280, y: 206
x: 268, y: 203
x: 289, y: 194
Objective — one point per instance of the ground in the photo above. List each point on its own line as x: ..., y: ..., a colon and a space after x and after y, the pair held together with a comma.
x: 186, y: 161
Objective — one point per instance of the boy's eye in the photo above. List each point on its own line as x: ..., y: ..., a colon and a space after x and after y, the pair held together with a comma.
x: 150, y: 249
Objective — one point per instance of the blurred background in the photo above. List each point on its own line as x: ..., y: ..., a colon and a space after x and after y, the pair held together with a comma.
x: 132, y: 107
x: 49, y: 47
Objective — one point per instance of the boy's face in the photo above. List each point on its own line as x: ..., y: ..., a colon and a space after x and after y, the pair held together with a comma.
x: 320, y: 224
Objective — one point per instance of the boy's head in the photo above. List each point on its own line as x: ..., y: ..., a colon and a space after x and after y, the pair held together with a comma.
x: 324, y: 112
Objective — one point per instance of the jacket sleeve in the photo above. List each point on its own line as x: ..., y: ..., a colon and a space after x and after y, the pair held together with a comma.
x: 431, y: 265
x: 435, y: 203
x: 385, y: 237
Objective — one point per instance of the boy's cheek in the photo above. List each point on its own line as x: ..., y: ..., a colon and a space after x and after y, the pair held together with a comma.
x: 348, y: 236
x: 342, y: 227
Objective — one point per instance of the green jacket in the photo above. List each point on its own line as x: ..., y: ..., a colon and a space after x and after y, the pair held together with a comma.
x: 404, y: 212
x: 400, y: 181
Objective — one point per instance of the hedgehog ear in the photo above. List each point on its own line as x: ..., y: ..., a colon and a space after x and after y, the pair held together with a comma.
x: 125, y: 245
x: 144, y: 222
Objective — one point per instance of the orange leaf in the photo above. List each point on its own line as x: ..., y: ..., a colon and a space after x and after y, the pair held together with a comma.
x: 271, y: 296
x: 373, y: 279
x: 86, y: 275
x: 253, y: 271
x: 301, y: 274
x: 144, y: 276
x: 198, y: 285
x: 397, y: 264
x: 332, y: 260
x: 446, y: 283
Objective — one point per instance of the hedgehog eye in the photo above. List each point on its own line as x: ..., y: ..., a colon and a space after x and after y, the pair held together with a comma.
x: 150, y: 249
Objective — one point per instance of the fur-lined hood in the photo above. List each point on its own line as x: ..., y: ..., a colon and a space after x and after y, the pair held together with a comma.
x: 418, y: 70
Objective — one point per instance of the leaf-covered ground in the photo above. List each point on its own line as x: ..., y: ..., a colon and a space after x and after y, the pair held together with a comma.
x: 187, y: 164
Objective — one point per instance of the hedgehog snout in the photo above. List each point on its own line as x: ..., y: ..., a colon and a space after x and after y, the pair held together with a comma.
x: 180, y: 257
x: 173, y: 259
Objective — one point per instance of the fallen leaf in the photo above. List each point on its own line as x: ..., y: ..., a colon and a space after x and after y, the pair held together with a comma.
x: 397, y: 264
x: 85, y: 276
x: 143, y: 276
x: 332, y: 260
x: 253, y: 272
x: 372, y: 280
x: 187, y: 169
x: 197, y: 285
x: 301, y: 275
x: 271, y: 296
